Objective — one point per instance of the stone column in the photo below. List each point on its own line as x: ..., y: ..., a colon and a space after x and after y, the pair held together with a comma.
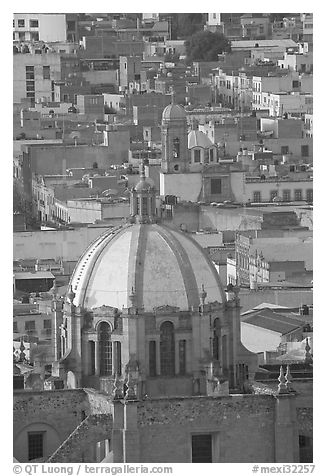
x: 131, y: 446
x: 286, y: 431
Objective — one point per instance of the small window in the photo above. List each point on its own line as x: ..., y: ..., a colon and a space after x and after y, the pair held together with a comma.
x: 197, y: 155
x: 15, y: 328
x: 21, y: 23
x: 257, y: 197
x: 35, y: 445
x: 284, y: 149
x: 273, y: 194
x: 310, y: 195
x: 30, y: 326
x: 201, y: 446
x: 33, y: 23
x: 216, y: 186
x: 47, y: 324
x: 46, y: 72
x: 182, y: 357
x: 305, y: 150
x: 297, y: 195
x: 286, y: 195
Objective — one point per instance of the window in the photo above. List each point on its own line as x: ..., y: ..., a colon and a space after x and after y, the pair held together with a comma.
x: 176, y: 148
x: 30, y: 326
x: 30, y: 86
x: 105, y: 345
x: 305, y: 150
x: 284, y: 149
x: 152, y: 358
x: 297, y: 195
x: 15, y: 329
x: 182, y: 357
x: 35, y: 445
x: 310, y: 195
x: 47, y: 324
x: 144, y: 206
x: 33, y: 23
x: 216, y: 337
x: 201, y: 446
x: 295, y: 84
x: 35, y: 37
x: 211, y: 155
x: 46, y: 72
x: 197, y: 155
x: 305, y: 449
x: 257, y: 197
x: 273, y: 194
x: 167, y: 351
x: 117, y: 357
x: 216, y: 186
x: 286, y: 195
x: 21, y: 23
x: 29, y: 73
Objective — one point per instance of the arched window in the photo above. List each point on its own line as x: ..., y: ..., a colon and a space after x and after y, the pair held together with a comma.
x: 105, y: 345
x: 216, y: 338
x: 167, y: 350
x: 176, y: 148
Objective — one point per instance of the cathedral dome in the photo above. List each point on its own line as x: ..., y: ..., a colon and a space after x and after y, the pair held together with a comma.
x: 173, y: 112
x: 149, y: 264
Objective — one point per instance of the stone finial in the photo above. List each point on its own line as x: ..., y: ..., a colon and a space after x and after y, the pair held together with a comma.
x: 130, y: 394
x: 282, y: 388
x: 288, y: 379
x: 117, y: 390
x: 22, y: 355
x: 71, y: 295
x: 54, y: 290
x: 308, y: 356
x: 132, y: 297
x: 202, y: 295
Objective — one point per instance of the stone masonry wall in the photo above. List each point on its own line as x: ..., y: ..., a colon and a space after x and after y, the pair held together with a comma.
x: 166, y: 425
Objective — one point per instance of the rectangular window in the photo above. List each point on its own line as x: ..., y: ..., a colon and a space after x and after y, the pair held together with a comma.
x: 305, y: 150
x: 117, y: 357
x: 257, y: 197
x: 182, y: 357
x: 295, y: 84
x: 21, y: 23
x: 152, y: 358
x: 216, y: 186
x: 47, y: 324
x: 15, y: 329
x: 33, y: 23
x: 297, y: 195
x: 197, y: 155
x: 46, y: 72
x: 284, y: 149
x: 273, y: 194
x: 310, y: 195
x: 30, y: 326
x: 30, y: 86
x: 201, y: 446
x: 286, y: 195
x: 35, y: 445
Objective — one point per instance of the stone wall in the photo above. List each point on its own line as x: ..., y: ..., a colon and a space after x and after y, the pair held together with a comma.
x: 166, y: 425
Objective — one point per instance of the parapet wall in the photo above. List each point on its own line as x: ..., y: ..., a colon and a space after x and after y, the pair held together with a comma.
x: 166, y: 426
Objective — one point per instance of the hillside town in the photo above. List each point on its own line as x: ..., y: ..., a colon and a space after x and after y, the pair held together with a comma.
x: 163, y: 237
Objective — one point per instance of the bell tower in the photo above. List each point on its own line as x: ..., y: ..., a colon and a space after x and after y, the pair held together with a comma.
x: 174, y: 139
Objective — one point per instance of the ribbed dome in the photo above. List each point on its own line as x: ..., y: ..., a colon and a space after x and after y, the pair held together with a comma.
x: 143, y: 185
x: 174, y: 112
x: 160, y: 265
x: 198, y: 139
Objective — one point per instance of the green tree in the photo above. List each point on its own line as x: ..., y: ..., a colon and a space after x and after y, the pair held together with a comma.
x: 206, y: 46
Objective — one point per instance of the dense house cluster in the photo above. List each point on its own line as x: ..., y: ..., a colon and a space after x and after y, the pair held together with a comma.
x: 162, y: 238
